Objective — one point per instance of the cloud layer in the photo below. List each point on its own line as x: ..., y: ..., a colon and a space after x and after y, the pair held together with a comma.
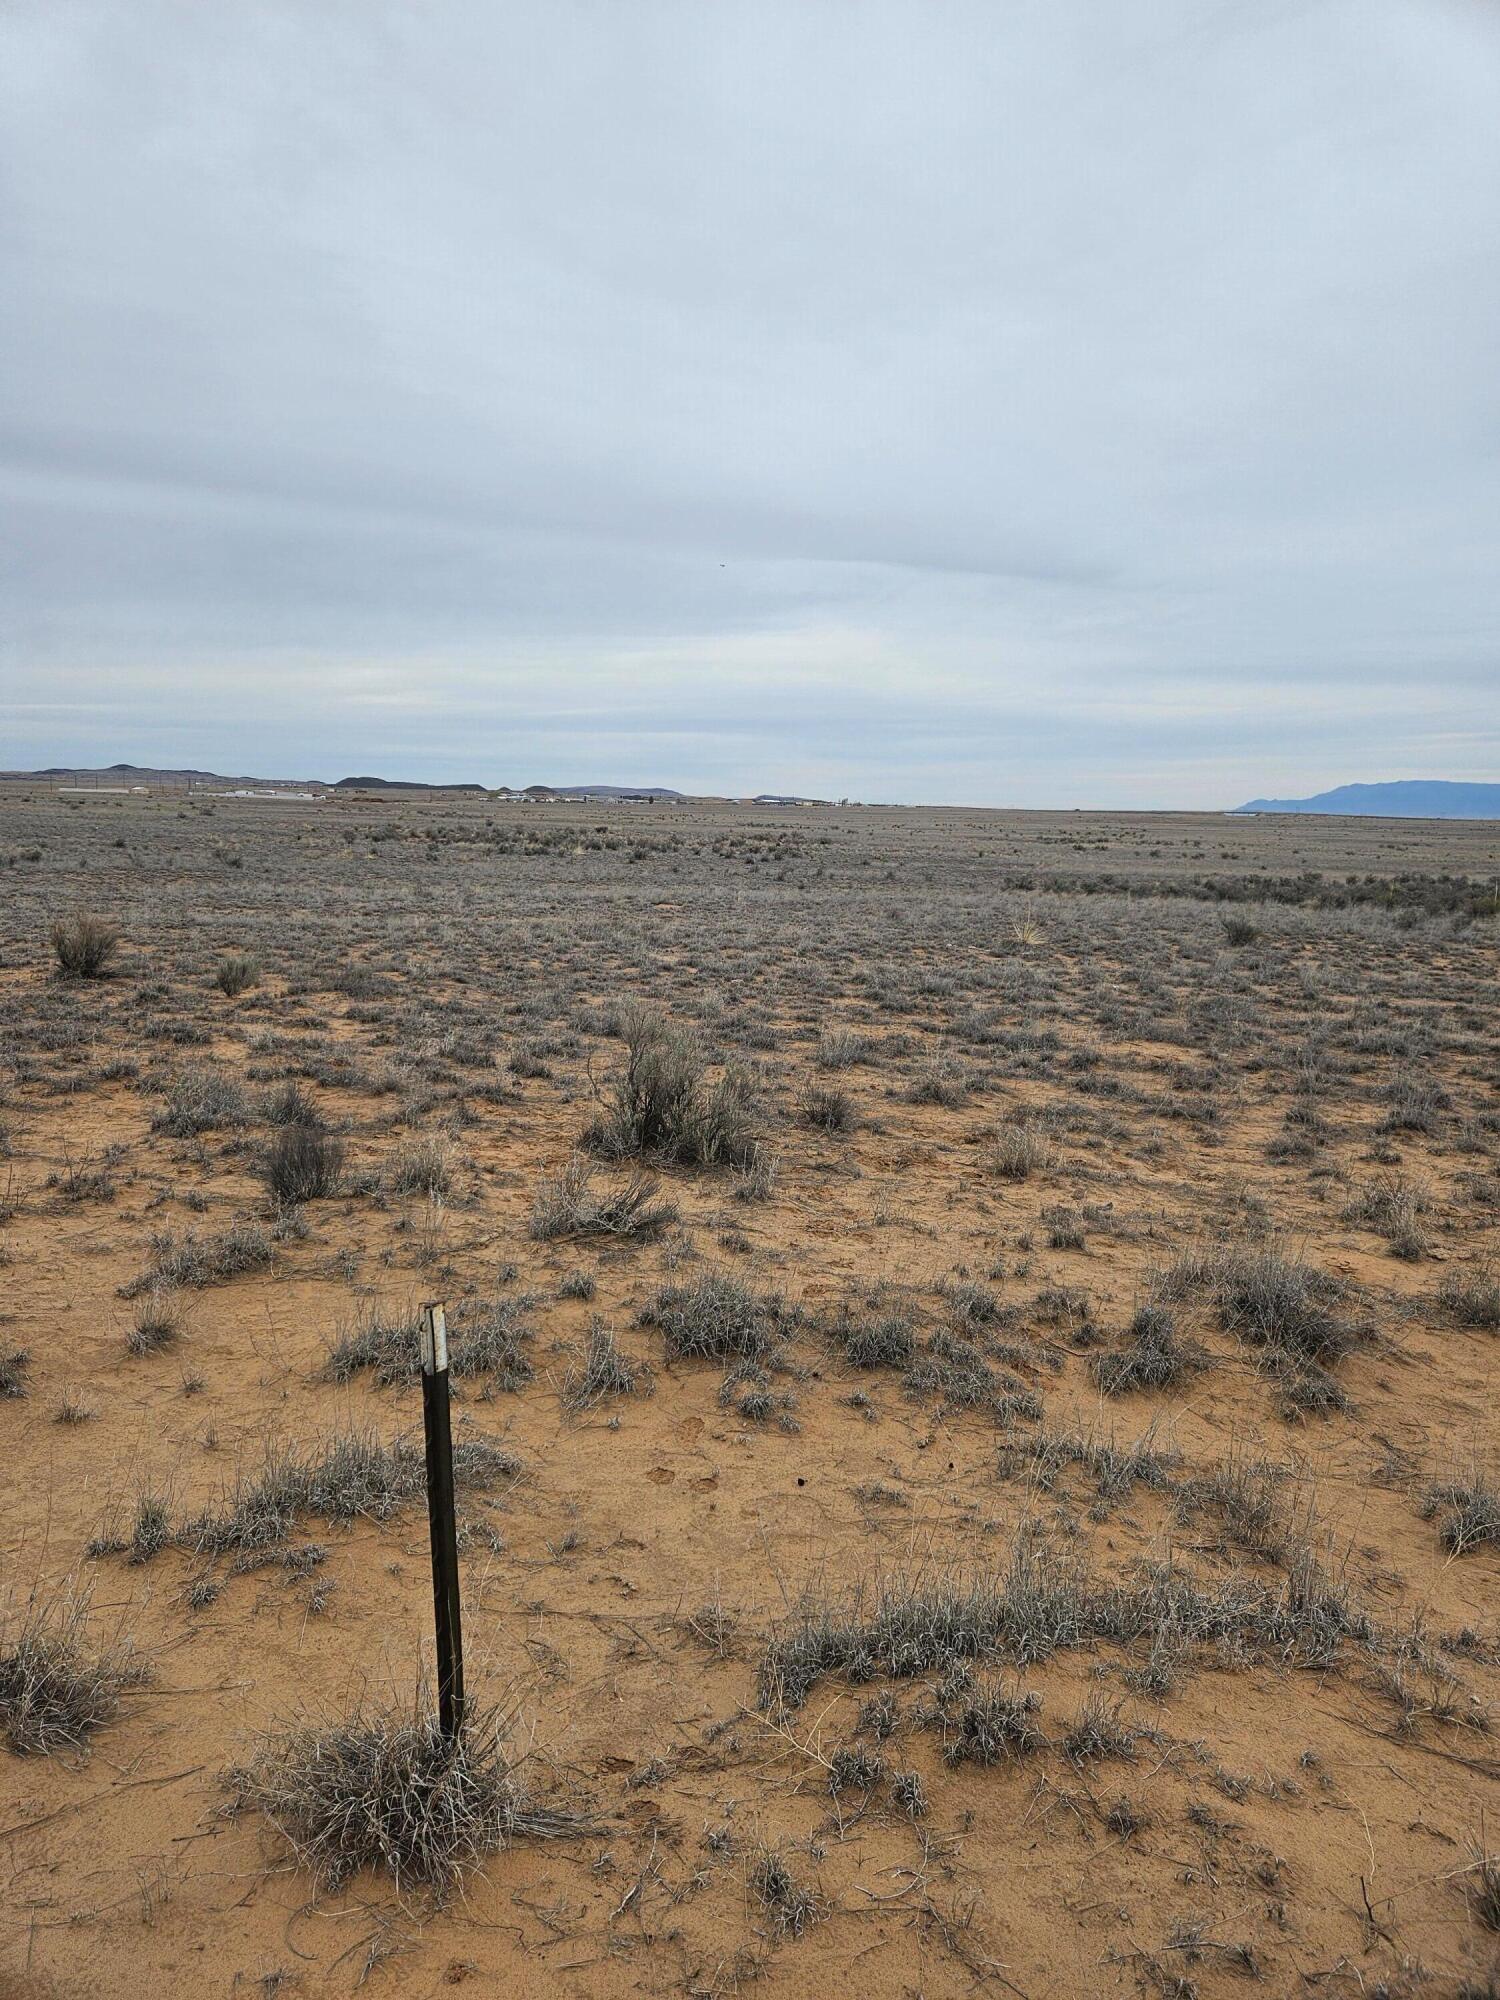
x: 1049, y: 404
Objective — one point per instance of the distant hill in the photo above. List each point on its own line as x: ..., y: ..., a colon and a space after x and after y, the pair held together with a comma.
x: 399, y: 785
x: 108, y: 776
x: 1404, y: 798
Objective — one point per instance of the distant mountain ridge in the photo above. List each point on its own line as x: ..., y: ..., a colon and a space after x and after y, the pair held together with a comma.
x: 1402, y: 798
x: 142, y: 774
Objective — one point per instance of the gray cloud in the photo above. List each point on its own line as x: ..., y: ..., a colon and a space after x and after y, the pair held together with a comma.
x: 1051, y: 404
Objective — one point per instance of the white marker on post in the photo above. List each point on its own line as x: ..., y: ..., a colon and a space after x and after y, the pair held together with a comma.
x: 434, y: 1340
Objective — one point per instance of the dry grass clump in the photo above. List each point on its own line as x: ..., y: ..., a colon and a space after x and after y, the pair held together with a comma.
x: 715, y: 1317
x: 302, y: 1163
x: 14, y: 1362
x: 792, y: 1907
x: 953, y: 1368
x: 570, y: 1204
x: 56, y: 1686
x: 158, y: 1322
x: 827, y: 1108
x: 992, y: 1724
x: 877, y: 1334
x: 970, y: 1304
x: 1124, y: 1818
x: 354, y: 1475
x: 87, y: 1179
x: 199, y: 1262
x: 485, y: 1337
x: 386, y: 1340
x: 83, y: 946
x: 1393, y: 1209
x: 1278, y: 1304
x: 1115, y: 1469
x: 755, y: 1180
x: 1470, y: 1511
x: 602, y: 1370
x: 663, y: 1102
x: 1015, y: 1152
x: 1153, y: 1357
x: 1472, y: 1298
x: 1047, y: 1603
x: 1247, y: 1497
x: 384, y: 1789
x: 290, y: 1104
x: 1098, y: 1731
x: 151, y: 1531
x: 853, y: 1768
x: 201, y: 1099
x: 1413, y: 1101
x: 908, y: 1793
x: 1064, y: 1227
x: 422, y: 1166
x: 939, y: 1080
x: 1482, y: 1888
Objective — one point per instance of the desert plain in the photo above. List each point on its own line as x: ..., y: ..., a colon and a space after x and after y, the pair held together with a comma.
x: 976, y: 1339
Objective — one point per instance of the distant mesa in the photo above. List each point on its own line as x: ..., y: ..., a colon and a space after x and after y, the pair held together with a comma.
x: 1404, y: 798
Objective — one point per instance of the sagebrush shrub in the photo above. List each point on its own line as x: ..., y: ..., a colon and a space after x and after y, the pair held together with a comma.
x: 663, y: 1102
x: 84, y: 946
x: 236, y: 973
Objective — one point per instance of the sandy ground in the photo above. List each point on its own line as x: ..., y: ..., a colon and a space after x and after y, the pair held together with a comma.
x: 1291, y: 1823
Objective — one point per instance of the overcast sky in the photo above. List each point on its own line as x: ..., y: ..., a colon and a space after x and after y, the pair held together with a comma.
x: 1078, y: 402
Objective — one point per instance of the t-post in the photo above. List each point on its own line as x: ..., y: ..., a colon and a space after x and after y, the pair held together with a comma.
x: 438, y: 1434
